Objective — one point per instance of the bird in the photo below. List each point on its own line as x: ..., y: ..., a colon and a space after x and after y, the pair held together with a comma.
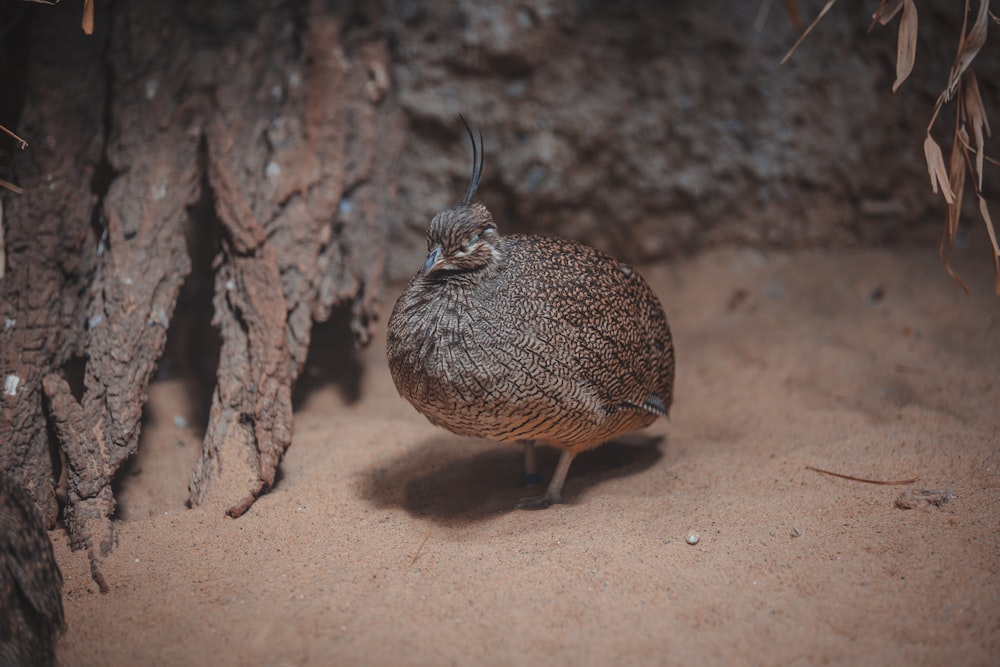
x: 31, y: 609
x: 528, y: 339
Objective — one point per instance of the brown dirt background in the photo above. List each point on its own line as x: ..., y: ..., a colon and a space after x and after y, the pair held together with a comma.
x: 388, y: 541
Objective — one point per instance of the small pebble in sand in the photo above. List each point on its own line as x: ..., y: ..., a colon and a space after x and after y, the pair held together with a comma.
x: 693, y: 538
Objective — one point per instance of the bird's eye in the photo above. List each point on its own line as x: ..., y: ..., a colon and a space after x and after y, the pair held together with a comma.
x: 467, y: 246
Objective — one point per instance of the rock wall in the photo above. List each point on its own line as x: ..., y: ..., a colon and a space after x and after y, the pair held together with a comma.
x: 652, y: 128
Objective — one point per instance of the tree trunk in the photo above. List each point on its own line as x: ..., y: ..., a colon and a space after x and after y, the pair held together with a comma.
x: 300, y: 155
x: 51, y: 251
x: 142, y: 263
x: 280, y: 111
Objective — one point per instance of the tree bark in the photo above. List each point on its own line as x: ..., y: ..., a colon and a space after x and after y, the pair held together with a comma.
x: 280, y: 113
x: 299, y: 160
x: 51, y: 251
x: 142, y: 263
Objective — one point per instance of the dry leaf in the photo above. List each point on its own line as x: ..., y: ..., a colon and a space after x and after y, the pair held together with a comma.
x: 943, y: 254
x: 975, y: 83
x: 906, y: 47
x: 887, y: 10
x: 808, y: 30
x: 88, y: 17
x: 968, y: 48
x: 985, y: 212
x: 936, y: 169
x: 975, y: 114
x: 956, y: 178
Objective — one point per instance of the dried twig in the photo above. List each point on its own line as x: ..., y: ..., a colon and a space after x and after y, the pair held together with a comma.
x: 419, y: 548
x: 808, y: 30
x: 898, y: 482
x: 4, y: 183
x: 24, y: 144
x: 7, y: 185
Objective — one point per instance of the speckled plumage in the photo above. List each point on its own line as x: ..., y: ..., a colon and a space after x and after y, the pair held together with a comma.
x: 31, y: 610
x: 528, y: 338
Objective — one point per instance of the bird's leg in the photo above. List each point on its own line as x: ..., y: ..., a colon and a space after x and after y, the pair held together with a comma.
x: 553, y: 494
x: 531, y: 476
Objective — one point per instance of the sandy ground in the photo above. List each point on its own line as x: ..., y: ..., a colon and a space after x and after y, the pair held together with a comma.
x: 388, y: 541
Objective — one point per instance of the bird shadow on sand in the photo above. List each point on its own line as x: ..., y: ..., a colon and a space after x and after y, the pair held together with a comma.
x: 452, y: 479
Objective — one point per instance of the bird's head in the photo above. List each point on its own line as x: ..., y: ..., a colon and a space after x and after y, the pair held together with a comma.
x: 460, y: 240
x: 464, y: 238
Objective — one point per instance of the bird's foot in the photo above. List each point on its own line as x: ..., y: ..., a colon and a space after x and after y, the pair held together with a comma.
x: 540, y: 502
x: 552, y: 495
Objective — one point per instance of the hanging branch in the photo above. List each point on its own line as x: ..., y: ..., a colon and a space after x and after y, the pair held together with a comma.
x: 971, y: 125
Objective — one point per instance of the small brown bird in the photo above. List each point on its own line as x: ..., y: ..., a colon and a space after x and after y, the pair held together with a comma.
x: 31, y: 609
x: 528, y: 339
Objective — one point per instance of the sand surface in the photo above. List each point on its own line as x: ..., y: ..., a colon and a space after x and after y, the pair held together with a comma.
x: 388, y: 541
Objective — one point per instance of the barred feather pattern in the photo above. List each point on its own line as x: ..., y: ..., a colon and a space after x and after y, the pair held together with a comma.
x: 31, y: 609
x: 521, y: 337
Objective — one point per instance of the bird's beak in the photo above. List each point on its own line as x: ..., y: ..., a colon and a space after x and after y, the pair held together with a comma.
x: 432, y: 258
